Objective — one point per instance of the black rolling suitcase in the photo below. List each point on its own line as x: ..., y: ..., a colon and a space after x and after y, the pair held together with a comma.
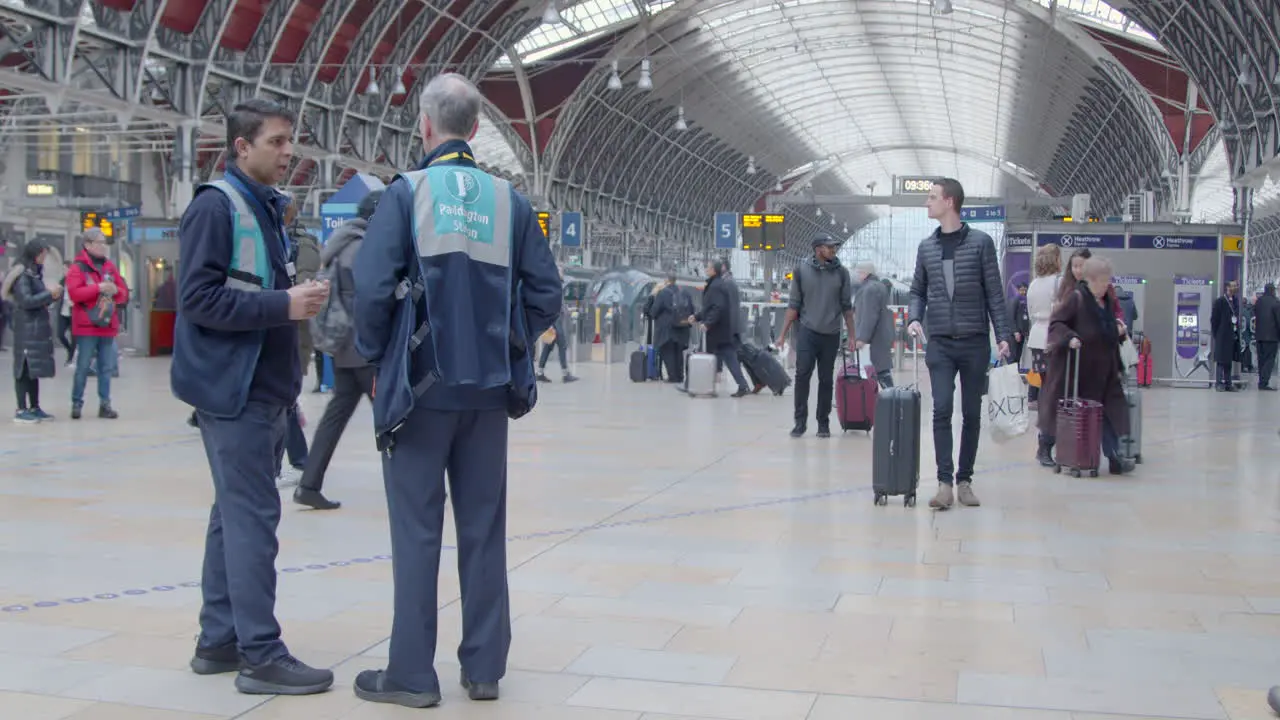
x: 764, y: 368
x: 895, y: 458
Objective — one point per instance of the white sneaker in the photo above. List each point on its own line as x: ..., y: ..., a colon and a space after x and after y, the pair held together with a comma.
x: 288, y: 477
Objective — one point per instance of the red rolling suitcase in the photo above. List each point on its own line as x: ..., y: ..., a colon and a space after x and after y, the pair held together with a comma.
x: 855, y: 397
x: 1079, y: 427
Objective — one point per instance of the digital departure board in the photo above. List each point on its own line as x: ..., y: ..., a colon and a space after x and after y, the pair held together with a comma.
x: 90, y: 220
x: 914, y: 185
x: 764, y: 231
x: 752, y: 231
x: 775, y: 231
x: 544, y: 222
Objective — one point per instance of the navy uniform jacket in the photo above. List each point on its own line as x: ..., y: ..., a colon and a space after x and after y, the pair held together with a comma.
x: 218, y: 327
x: 388, y: 256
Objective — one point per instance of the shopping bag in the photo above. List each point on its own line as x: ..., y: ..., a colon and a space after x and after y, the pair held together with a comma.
x: 1128, y: 353
x: 1006, y: 403
x: 548, y: 337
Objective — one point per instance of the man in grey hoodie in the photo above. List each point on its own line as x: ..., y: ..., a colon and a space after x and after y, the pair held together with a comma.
x: 352, y: 375
x: 821, y: 296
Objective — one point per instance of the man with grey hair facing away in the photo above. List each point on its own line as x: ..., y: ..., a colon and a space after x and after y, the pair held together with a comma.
x: 454, y: 283
x: 873, y: 321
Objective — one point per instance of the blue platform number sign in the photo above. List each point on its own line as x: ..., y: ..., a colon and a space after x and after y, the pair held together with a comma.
x: 726, y: 231
x: 571, y: 229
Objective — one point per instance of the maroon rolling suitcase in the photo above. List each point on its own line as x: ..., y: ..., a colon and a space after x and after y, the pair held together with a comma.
x: 855, y: 397
x: 1079, y: 427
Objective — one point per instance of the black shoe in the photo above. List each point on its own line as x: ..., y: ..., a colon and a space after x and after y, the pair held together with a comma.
x: 569, y: 378
x: 284, y: 676
x: 542, y: 377
x: 824, y: 431
x: 314, y: 500
x: 1268, y: 388
x: 106, y: 413
x: 742, y: 392
x: 479, y: 690
x: 215, y: 661
x: 1121, y: 465
x: 799, y: 430
x: 75, y: 412
x: 373, y: 686
x: 1044, y: 455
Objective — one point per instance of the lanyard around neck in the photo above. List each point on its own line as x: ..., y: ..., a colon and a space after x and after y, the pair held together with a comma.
x: 452, y: 156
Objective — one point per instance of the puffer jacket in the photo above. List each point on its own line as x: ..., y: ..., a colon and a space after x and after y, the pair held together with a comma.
x: 979, y: 300
x: 32, y: 326
x: 306, y: 263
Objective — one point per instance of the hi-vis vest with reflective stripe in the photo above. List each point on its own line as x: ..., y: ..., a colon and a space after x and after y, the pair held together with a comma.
x: 461, y: 209
x: 250, y: 268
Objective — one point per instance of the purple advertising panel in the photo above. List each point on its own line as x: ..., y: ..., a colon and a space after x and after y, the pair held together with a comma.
x: 1173, y: 242
x: 1017, y: 269
x: 1233, y: 269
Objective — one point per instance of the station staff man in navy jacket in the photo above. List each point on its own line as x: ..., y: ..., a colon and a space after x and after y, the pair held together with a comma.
x: 235, y: 360
x: 466, y: 248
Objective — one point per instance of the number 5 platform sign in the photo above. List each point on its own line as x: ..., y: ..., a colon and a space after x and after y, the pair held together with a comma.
x: 726, y: 231
x: 571, y: 229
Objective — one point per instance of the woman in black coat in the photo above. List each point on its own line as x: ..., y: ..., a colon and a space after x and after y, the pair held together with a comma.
x: 32, y: 331
x: 1086, y: 320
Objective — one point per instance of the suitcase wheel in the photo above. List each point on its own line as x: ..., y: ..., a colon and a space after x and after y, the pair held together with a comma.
x: 1075, y: 472
x: 909, y: 501
x: 1137, y: 459
x: 1093, y: 473
x: 1057, y: 469
x: 882, y: 499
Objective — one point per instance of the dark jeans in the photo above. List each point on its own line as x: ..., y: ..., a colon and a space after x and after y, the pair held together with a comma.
x: 239, y: 579
x: 1266, y: 361
x: 969, y: 358
x: 672, y: 354
x: 815, y: 350
x: 559, y: 345
x: 104, y: 350
x: 469, y: 448
x: 727, y: 356
x: 27, y: 389
x: 349, y: 385
x: 64, y: 337
x: 295, y: 441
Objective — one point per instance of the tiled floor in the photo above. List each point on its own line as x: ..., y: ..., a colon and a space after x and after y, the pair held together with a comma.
x: 676, y: 558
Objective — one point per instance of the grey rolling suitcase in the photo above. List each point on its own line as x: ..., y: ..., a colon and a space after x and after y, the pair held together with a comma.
x: 1131, y: 444
x: 700, y: 372
x: 895, y: 440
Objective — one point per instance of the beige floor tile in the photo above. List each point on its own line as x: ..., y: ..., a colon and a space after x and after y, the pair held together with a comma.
x: 1246, y: 703
x: 113, y: 711
x: 723, y: 703
x: 663, y: 539
x: 23, y: 706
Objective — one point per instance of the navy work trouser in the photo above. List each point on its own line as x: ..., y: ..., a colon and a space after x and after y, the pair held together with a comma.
x: 239, y: 580
x: 471, y: 446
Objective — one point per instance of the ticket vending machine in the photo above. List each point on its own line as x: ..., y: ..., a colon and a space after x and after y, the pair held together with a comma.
x: 1137, y: 285
x: 1192, y: 303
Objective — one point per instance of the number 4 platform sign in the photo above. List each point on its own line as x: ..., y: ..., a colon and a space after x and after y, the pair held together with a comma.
x: 571, y: 229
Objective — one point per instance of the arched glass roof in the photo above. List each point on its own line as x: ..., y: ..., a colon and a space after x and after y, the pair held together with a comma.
x: 1102, y: 14
x: 889, y: 87
x: 583, y: 21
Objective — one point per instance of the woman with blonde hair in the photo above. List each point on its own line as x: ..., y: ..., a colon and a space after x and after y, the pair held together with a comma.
x: 1040, y: 298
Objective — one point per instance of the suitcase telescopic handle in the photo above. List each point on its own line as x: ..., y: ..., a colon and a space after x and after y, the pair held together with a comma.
x: 1072, y: 379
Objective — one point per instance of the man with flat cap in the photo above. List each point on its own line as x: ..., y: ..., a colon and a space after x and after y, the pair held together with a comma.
x: 821, y: 298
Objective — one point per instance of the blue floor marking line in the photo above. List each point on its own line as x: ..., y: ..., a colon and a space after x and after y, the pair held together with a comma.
x: 646, y: 520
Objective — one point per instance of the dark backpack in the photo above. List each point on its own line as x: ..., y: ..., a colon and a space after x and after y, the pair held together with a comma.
x: 331, y: 328
x: 102, y: 310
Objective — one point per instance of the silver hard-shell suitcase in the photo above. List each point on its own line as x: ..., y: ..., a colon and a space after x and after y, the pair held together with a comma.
x: 700, y: 372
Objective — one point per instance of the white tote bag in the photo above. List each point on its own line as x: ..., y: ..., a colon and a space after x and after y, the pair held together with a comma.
x: 1128, y: 354
x: 1007, y: 416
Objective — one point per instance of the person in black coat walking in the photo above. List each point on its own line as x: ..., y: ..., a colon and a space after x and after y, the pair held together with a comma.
x: 1224, y: 323
x: 1266, y: 331
x: 720, y: 315
x: 32, y: 330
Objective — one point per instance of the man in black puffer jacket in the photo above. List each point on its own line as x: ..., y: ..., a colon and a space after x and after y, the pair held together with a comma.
x: 957, y: 294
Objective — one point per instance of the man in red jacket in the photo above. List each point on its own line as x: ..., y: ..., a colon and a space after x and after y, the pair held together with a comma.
x: 96, y: 289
